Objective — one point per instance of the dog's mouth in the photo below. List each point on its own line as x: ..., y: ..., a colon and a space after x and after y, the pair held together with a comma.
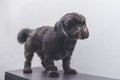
x: 84, y: 35
x: 78, y: 35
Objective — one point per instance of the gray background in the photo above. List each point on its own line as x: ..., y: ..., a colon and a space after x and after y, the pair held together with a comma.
x: 98, y: 55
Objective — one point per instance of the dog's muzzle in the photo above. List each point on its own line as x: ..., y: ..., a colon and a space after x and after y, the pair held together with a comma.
x: 84, y: 33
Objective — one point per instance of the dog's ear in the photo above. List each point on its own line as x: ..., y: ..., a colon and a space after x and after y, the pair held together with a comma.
x: 59, y: 29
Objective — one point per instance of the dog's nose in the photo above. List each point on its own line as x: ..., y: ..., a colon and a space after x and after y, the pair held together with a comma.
x: 85, y: 32
x: 85, y: 35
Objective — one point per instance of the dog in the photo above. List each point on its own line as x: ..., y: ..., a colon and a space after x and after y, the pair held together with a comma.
x: 54, y: 43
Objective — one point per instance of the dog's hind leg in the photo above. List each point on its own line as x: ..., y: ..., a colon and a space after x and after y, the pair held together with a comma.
x: 27, y: 64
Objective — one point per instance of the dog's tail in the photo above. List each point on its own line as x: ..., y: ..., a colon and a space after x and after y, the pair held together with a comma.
x: 22, y: 35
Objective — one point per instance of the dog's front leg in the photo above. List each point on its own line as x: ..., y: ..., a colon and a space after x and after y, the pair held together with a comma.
x: 51, y: 69
x: 66, y: 66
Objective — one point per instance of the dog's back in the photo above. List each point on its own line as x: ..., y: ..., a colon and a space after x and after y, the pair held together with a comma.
x: 33, y: 39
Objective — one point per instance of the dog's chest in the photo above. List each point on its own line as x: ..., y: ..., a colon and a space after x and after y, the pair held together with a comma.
x: 61, y: 55
x: 64, y: 51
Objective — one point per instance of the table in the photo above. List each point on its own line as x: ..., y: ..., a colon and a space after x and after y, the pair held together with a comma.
x: 40, y: 74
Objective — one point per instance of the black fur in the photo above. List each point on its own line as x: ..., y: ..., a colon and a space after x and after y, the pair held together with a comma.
x: 54, y: 43
x: 22, y: 36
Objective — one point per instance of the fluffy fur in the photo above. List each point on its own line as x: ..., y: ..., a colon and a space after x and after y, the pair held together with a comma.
x: 54, y: 43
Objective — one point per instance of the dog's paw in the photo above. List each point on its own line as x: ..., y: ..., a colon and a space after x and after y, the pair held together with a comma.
x: 27, y: 70
x: 70, y: 71
x: 52, y: 73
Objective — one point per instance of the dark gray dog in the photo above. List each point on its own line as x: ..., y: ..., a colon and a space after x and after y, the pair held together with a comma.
x: 54, y: 43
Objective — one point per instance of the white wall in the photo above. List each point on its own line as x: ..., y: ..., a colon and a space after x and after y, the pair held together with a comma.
x: 98, y: 55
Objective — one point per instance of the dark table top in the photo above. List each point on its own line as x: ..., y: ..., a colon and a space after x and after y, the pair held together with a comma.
x: 40, y: 74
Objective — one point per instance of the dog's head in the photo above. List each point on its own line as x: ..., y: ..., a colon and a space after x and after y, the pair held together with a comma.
x: 72, y: 26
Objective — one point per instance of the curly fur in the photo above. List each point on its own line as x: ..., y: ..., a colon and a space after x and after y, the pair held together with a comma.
x: 54, y: 43
x: 22, y: 35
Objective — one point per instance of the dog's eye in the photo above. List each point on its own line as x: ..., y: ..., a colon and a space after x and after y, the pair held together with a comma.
x: 72, y: 24
x: 80, y: 25
x: 75, y: 28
